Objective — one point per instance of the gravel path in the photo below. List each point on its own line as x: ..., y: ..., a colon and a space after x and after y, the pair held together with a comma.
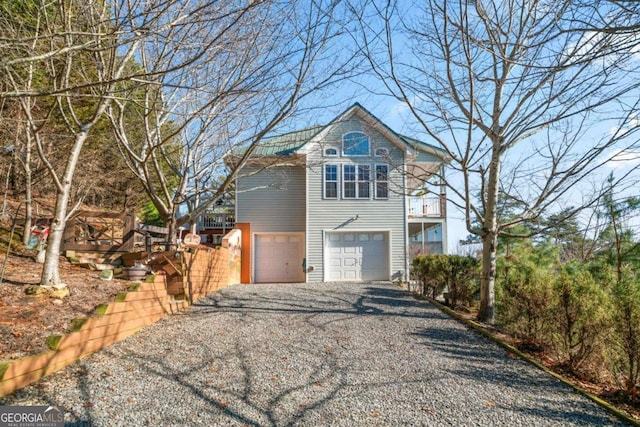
x: 323, y: 354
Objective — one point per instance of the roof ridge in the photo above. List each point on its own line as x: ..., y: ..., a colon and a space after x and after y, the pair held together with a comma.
x: 306, y: 129
x: 288, y: 143
x: 405, y: 139
x: 410, y: 138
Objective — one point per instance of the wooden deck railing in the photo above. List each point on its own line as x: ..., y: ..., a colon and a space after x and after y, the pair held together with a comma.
x: 217, y: 221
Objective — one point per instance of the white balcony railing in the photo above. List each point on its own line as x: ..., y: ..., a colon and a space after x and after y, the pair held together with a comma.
x: 425, y: 206
x: 217, y: 221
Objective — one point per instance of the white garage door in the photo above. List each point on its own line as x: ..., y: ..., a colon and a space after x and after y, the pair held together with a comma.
x: 357, y: 256
x: 278, y: 258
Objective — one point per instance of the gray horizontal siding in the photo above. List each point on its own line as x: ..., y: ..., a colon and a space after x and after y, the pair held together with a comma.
x: 272, y: 200
x: 326, y: 215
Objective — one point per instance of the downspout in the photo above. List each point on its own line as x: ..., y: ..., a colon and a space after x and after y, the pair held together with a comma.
x: 443, y: 208
x: 306, y: 218
x: 406, y: 218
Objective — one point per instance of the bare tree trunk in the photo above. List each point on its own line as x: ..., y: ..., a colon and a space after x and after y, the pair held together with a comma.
x: 171, y: 232
x: 28, y: 196
x: 613, y: 215
x: 50, y: 270
x: 28, y: 211
x: 196, y: 202
x: 486, y: 312
x: 489, y: 235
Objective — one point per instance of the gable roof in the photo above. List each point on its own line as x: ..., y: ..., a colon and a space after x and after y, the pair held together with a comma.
x: 292, y: 142
x: 423, y: 146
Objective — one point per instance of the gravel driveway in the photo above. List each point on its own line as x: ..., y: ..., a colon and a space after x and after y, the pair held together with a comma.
x: 314, y: 354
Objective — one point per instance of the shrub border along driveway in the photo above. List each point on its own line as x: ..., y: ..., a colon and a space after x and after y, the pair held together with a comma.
x: 312, y: 354
x: 482, y: 330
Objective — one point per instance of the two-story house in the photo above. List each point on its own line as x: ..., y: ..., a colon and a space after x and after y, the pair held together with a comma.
x: 348, y: 201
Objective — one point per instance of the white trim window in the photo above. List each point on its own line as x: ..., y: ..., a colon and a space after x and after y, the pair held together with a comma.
x: 330, y: 152
x: 382, y: 182
x: 382, y: 152
x: 355, y: 144
x: 330, y: 181
x: 356, y: 181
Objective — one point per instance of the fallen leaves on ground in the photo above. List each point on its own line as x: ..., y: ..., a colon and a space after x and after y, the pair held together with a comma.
x: 26, y: 321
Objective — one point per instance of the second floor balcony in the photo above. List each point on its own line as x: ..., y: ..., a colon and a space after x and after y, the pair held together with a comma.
x: 427, y: 206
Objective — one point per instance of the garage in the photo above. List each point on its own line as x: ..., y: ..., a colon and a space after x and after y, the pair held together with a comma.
x: 279, y: 258
x: 357, y: 256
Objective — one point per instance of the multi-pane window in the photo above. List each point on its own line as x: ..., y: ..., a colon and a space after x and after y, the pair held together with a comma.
x: 355, y: 144
x: 356, y: 181
x: 364, y: 177
x: 349, y: 182
x: 331, y: 181
x: 382, y: 181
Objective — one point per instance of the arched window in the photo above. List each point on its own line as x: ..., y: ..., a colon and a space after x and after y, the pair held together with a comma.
x: 382, y: 152
x: 330, y: 152
x: 355, y: 144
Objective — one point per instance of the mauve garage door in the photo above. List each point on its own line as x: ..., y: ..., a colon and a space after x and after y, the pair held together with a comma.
x: 357, y: 256
x: 278, y: 258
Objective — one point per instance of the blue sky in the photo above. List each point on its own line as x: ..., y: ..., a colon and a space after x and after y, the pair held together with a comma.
x: 370, y: 93
x: 397, y: 116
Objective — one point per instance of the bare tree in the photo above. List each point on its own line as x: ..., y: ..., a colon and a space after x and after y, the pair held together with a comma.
x: 181, y: 83
x: 17, y: 23
x: 78, y: 48
x: 521, y: 94
x: 84, y: 52
x: 255, y: 65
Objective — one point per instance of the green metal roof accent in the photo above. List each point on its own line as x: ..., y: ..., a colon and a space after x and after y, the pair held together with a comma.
x: 285, y: 144
x: 289, y: 143
x: 420, y: 145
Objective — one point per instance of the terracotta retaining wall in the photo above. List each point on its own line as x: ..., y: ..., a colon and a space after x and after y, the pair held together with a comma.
x: 206, y: 273
x: 212, y: 269
x: 141, y: 305
x: 199, y: 271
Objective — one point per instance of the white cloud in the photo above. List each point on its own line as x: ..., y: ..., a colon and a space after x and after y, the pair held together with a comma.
x: 594, y: 41
x: 399, y: 109
x: 624, y: 158
x: 632, y: 123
